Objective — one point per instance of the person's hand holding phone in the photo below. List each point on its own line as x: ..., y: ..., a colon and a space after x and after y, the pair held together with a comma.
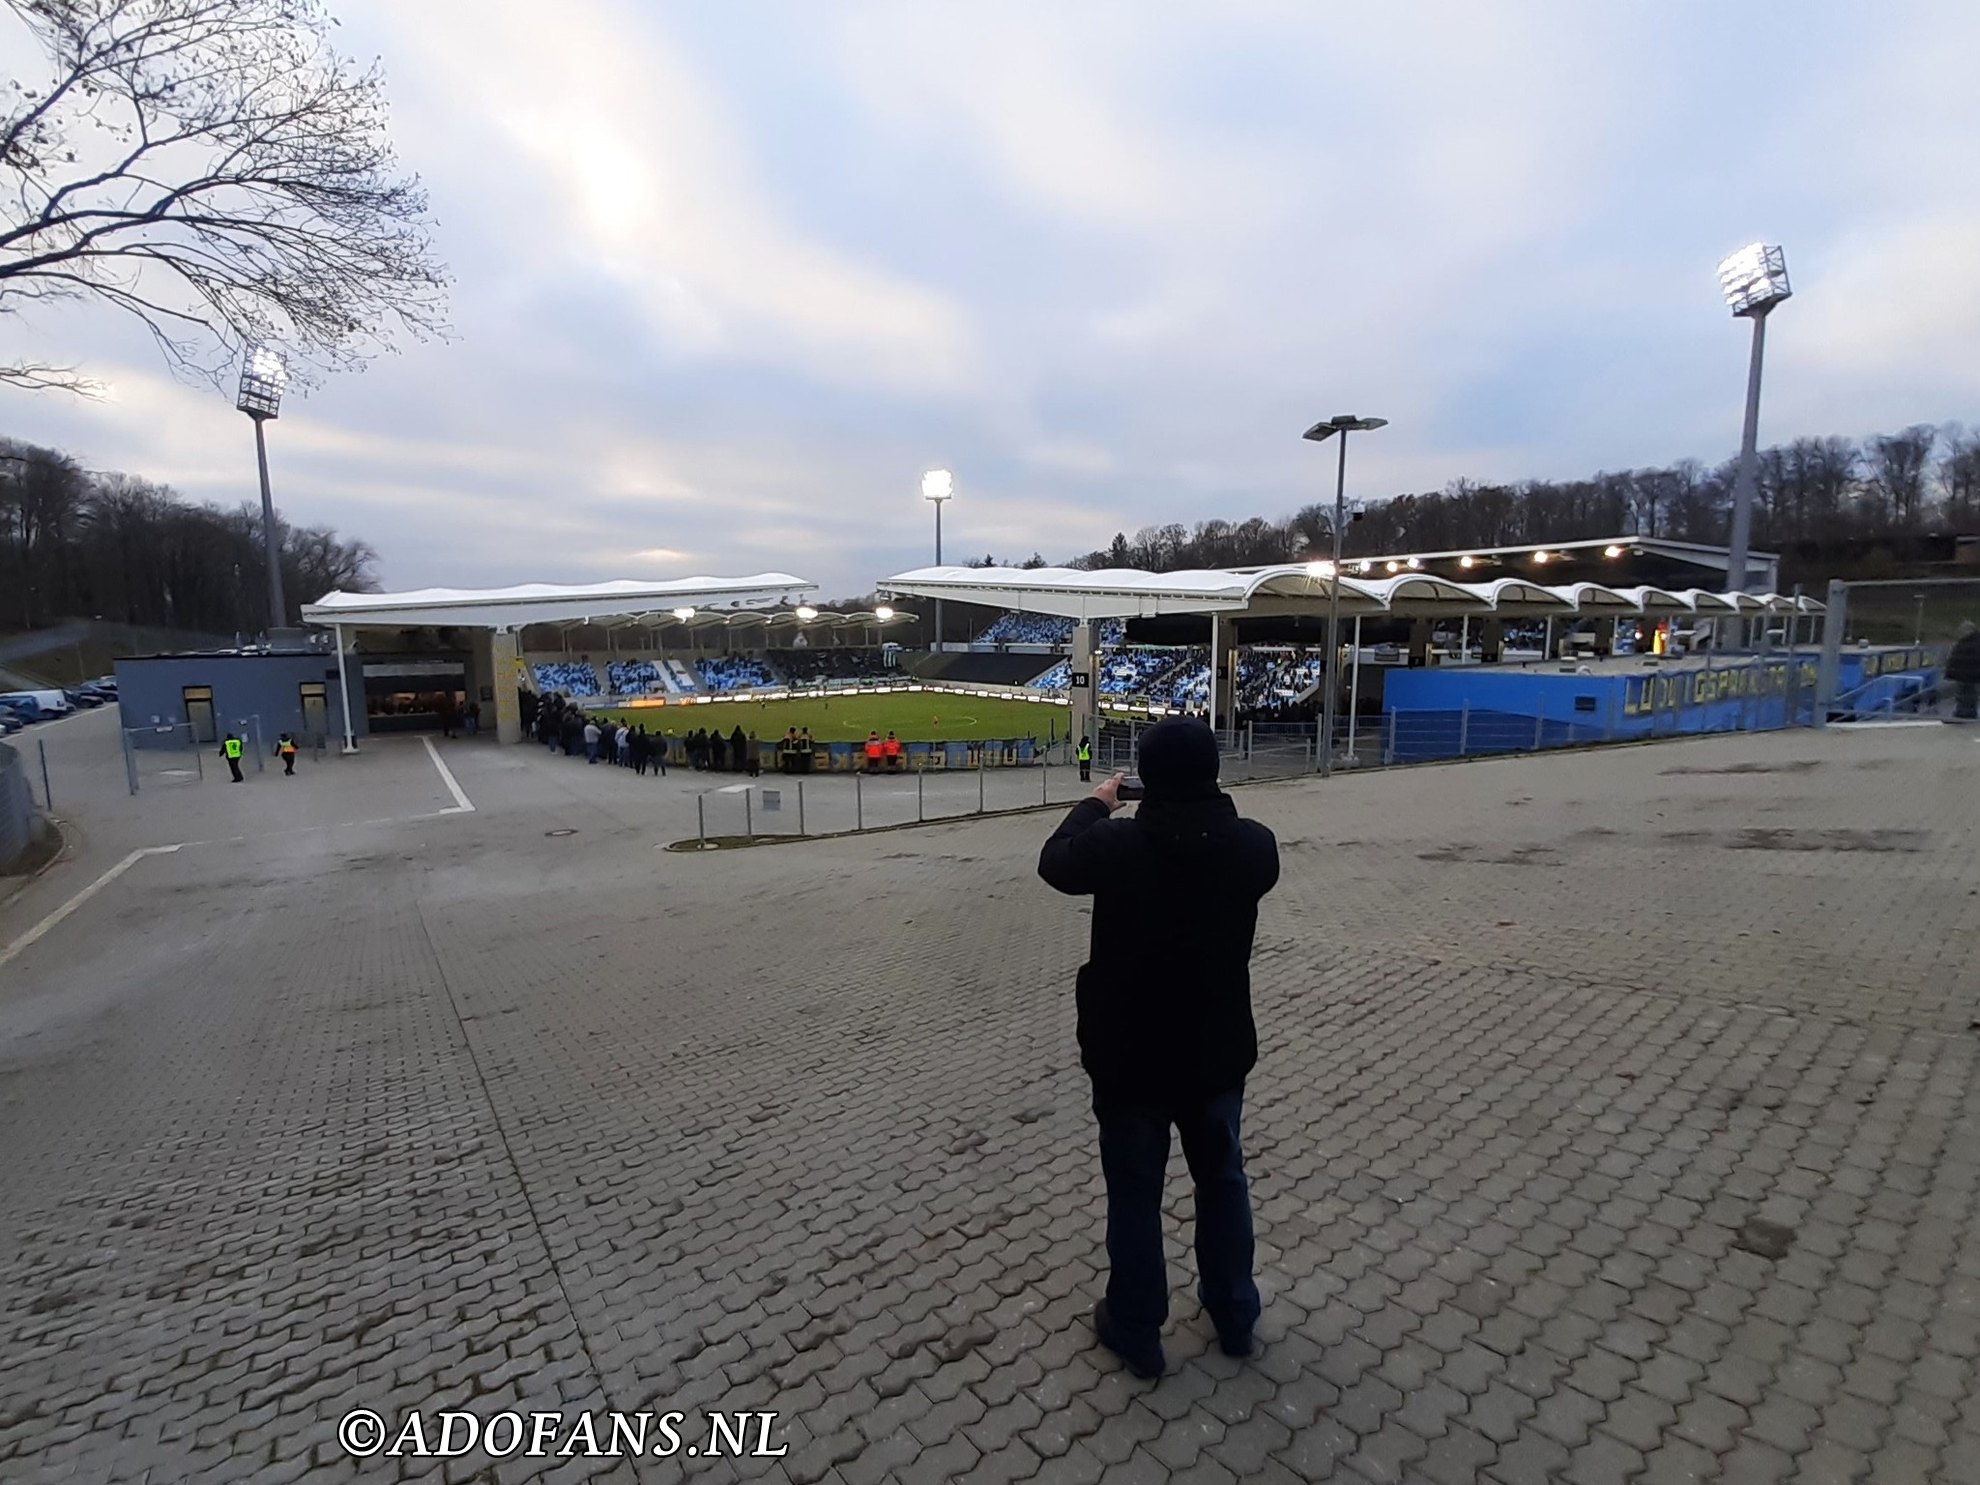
x: 1109, y: 791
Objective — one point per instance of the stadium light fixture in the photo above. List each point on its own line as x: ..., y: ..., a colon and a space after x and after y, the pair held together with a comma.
x: 1754, y: 280
x: 1343, y: 424
x: 807, y: 612
x: 263, y: 378
x: 1539, y: 556
x: 883, y: 613
x: 1467, y: 561
x: 1391, y: 566
x: 937, y: 486
x: 684, y: 614
x: 1612, y: 550
x: 1367, y: 566
x: 1413, y: 563
x: 1320, y: 569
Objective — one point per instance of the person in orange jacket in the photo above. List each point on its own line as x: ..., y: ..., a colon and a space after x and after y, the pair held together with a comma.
x: 874, y: 749
x: 892, y: 749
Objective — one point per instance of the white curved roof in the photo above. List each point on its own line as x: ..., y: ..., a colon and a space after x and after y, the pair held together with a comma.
x: 545, y: 603
x: 1658, y: 600
x: 1518, y: 596
x: 1291, y: 588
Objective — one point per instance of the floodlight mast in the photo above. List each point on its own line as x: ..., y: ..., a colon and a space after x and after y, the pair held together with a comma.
x: 1754, y: 280
x: 262, y: 380
x: 1343, y: 424
x: 937, y: 486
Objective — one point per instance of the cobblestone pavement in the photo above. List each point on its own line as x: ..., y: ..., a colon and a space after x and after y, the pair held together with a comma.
x: 1619, y: 1120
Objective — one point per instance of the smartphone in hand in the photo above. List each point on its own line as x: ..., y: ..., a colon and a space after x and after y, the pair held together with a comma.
x: 1131, y: 788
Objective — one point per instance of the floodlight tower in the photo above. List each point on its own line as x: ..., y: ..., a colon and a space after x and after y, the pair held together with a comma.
x: 1754, y: 280
x: 262, y: 380
x: 1344, y: 424
x: 937, y: 486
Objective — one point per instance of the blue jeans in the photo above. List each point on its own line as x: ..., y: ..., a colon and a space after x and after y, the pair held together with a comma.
x: 1134, y: 1155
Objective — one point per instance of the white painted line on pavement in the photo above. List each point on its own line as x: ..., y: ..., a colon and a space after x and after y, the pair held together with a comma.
x: 461, y: 805
x: 29, y: 938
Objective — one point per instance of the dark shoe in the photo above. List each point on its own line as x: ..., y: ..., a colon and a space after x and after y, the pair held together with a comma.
x: 1236, y: 1343
x: 1146, y: 1362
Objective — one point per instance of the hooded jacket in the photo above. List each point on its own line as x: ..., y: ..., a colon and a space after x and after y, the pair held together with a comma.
x: 1165, y: 995
x: 1963, y: 660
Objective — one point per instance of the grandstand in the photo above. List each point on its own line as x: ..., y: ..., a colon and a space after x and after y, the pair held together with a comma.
x: 810, y: 666
x: 634, y: 678
x: 1027, y: 629
x: 735, y: 673
x: 1019, y: 628
x: 567, y: 677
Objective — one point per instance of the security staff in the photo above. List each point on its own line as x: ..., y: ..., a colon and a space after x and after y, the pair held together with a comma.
x: 285, y: 749
x: 1086, y: 760
x: 874, y: 749
x: 893, y: 747
x: 230, y: 749
x: 805, y: 750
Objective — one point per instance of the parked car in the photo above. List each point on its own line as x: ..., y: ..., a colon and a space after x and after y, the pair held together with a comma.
x: 52, y: 703
x: 80, y: 697
x: 20, y: 709
x: 9, y: 723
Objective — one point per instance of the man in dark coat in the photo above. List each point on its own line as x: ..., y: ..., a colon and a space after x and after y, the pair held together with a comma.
x: 1165, y: 1028
x: 718, y: 751
x: 741, y: 759
x: 1963, y: 672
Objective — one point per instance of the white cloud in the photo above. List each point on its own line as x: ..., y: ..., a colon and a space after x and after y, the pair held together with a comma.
x: 613, y: 156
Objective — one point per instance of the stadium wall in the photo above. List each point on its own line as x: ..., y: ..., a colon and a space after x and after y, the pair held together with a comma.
x: 21, y: 825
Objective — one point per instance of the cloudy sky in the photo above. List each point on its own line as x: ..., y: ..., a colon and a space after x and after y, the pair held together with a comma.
x: 729, y: 277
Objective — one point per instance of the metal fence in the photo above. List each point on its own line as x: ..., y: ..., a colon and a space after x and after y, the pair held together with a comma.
x: 20, y: 822
x: 171, y: 753
x: 837, y: 804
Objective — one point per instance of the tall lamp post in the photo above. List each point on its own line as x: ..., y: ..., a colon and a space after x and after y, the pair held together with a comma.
x: 262, y: 381
x: 1344, y: 424
x: 937, y: 486
x: 1754, y: 280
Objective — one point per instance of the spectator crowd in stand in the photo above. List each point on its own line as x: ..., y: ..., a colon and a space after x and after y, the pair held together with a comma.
x: 634, y: 677
x: 805, y: 667
x: 1048, y: 629
x: 567, y: 677
x: 734, y: 672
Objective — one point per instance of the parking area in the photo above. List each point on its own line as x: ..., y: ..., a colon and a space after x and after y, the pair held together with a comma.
x: 1619, y: 1119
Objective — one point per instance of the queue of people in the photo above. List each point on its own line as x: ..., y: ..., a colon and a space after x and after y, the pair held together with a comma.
x: 560, y: 723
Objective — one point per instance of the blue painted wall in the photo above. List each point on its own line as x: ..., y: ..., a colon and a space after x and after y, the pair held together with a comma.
x: 150, y: 692
x: 1441, y: 713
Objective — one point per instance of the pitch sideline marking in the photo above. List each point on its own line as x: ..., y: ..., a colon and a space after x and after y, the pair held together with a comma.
x: 28, y: 939
x: 461, y: 804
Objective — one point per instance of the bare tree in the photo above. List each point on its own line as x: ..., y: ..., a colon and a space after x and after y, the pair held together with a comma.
x: 216, y: 169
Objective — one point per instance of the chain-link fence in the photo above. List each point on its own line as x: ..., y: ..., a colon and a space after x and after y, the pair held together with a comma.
x: 1901, y: 649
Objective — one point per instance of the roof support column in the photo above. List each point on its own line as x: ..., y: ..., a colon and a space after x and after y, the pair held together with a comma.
x: 344, y: 690
x: 505, y: 664
x: 1085, y: 718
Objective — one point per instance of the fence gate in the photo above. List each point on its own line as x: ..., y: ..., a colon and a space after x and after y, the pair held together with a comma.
x: 167, y: 754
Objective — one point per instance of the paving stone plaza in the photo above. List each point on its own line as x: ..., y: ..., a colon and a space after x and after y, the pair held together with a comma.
x: 1618, y: 1120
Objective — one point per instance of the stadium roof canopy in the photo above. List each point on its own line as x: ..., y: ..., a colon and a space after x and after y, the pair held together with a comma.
x: 742, y: 619
x: 550, y: 603
x: 1484, y: 560
x: 1300, y: 588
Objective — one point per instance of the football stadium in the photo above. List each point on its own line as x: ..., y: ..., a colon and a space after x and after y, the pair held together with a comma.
x: 548, y: 934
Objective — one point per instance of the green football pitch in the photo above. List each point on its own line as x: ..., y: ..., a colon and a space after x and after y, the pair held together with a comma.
x: 912, y: 716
